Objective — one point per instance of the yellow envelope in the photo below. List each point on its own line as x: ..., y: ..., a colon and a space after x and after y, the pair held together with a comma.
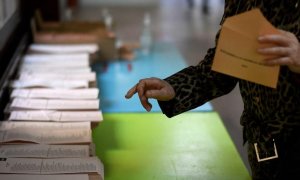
x: 237, y: 45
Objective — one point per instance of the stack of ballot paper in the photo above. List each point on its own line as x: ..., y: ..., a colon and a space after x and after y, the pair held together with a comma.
x: 54, y: 104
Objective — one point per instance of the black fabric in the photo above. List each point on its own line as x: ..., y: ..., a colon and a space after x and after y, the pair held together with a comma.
x: 286, y: 166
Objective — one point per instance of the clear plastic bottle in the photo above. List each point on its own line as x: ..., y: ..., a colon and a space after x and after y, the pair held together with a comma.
x: 146, y: 35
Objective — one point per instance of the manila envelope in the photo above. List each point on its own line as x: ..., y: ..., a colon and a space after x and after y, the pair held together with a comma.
x: 237, y: 45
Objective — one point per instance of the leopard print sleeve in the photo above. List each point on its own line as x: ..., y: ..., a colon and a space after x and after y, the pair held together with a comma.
x: 196, y: 85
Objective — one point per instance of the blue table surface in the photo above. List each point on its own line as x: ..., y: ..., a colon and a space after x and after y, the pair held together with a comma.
x: 115, y: 78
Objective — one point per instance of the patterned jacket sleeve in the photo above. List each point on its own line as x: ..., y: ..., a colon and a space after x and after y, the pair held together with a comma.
x: 196, y: 85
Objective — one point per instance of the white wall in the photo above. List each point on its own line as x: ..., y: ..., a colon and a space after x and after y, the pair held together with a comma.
x: 119, y: 2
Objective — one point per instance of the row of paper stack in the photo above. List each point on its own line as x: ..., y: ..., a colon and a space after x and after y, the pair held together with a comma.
x: 54, y: 104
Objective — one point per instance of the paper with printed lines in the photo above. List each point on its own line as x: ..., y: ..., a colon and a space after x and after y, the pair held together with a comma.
x: 51, y: 166
x: 53, y: 104
x: 44, y: 151
x: 236, y: 52
x: 88, y: 93
x: 56, y: 116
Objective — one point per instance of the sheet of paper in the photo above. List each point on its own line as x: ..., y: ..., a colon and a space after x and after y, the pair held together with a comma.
x: 53, y: 65
x: 73, y: 70
x: 90, y: 76
x: 44, y: 177
x: 237, y: 45
x: 88, y: 93
x: 53, y: 104
x: 55, y: 58
x: 55, y: 69
x: 46, y: 136
x: 37, y: 83
x: 51, y: 166
x: 64, y: 48
x: 73, y: 104
x: 8, y: 125
x: 59, y: 116
x: 44, y: 151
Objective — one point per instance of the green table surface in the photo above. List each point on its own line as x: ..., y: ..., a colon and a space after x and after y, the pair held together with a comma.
x: 146, y: 146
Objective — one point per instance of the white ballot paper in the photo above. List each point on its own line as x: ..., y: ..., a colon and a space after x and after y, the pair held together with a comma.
x: 45, y: 132
x: 44, y: 151
x: 44, y: 177
x: 64, y: 48
x: 90, y: 76
x: 45, y: 83
x: 56, y: 58
x: 53, y: 104
x: 53, y: 65
x: 57, y: 116
x: 8, y: 125
x: 88, y: 93
x: 51, y: 166
x: 73, y: 70
x: 46, y: 136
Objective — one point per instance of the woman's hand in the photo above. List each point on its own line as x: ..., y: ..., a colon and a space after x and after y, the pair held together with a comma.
x: 284, y: 50
x: 151, y: 88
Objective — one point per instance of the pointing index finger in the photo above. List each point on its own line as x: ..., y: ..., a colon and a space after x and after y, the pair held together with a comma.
x: 131, y: 92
